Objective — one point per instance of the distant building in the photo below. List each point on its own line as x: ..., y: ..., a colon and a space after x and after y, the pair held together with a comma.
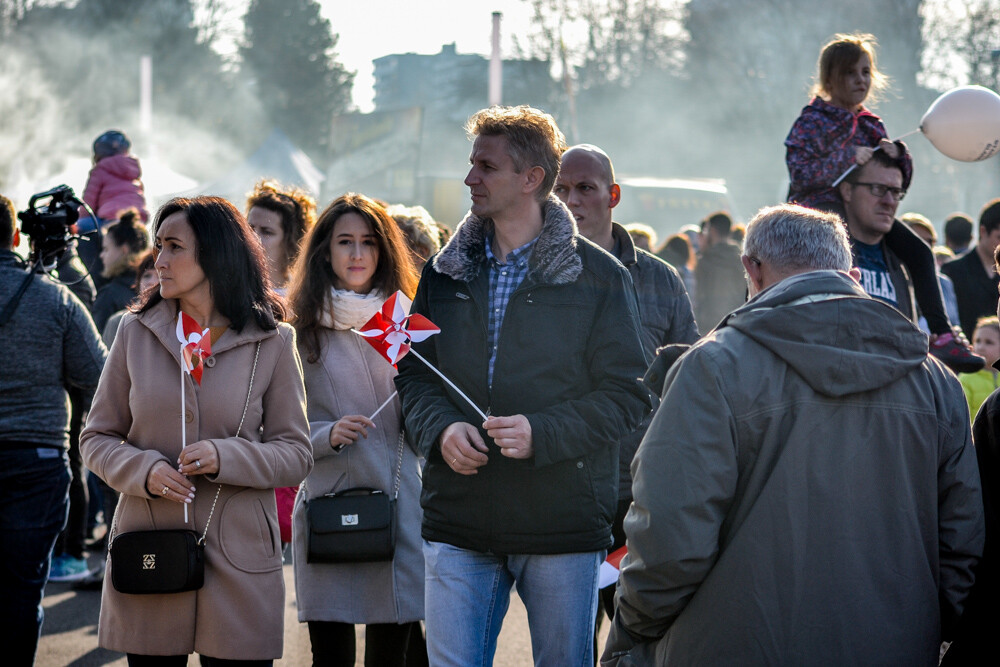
x: 412, y: 148
x: 453, y: 86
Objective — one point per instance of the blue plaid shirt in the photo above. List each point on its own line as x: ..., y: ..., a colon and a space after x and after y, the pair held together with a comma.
x: 504, y: 279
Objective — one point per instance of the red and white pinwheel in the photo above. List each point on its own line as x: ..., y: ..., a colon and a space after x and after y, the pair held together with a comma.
x: 611, y: 567
x: 196, y: 345
x: 392, y: 329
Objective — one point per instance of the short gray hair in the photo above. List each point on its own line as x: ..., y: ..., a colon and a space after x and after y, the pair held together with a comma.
x: 795, y: 239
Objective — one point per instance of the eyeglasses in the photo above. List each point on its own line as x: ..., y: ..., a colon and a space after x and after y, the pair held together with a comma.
x: 879, y: 190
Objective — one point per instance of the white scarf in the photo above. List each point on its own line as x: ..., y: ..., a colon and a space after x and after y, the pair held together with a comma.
x: 345, y: 309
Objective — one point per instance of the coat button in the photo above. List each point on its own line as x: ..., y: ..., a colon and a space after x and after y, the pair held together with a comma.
x: 188, y: 416
x: 210, y: 362
x: 579, y: 464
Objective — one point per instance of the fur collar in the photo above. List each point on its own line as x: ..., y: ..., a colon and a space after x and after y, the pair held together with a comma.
x: 554, y: 259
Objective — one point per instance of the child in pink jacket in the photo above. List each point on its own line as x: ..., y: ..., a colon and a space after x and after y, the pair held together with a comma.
x: 114, y: 183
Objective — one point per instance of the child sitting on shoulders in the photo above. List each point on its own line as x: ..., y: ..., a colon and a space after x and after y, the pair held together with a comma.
x: 115, y: 181
x: 834, y: 133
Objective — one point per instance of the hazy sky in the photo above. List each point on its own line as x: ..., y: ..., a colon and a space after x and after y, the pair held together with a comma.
x: 376, y: 28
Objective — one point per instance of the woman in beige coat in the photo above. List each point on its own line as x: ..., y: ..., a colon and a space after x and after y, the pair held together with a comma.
x: 246, y: 434
x: 353, y: 260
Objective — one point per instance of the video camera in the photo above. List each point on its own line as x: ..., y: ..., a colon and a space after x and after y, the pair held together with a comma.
x: 50, y: 226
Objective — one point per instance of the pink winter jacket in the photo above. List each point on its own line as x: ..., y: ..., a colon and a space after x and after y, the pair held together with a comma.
x: 114, y: 185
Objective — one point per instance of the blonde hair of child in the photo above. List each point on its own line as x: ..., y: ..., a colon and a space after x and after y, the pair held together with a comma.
x: 991, y: 322
x: 839, y: 55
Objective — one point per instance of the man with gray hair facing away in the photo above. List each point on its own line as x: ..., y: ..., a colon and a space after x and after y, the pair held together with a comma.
x: 807, y: 491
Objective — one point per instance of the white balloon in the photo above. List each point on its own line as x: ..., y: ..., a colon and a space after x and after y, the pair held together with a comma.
x: 964, y: 123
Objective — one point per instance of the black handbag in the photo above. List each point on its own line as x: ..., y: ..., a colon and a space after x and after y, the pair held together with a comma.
x: 157, y: 561
x: 164, y: 561
x: 353, y: 525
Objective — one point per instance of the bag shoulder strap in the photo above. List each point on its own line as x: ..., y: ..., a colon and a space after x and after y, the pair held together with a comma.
x: 218, y: 490
x: 399, y: 465
x: 395, y: 485
x: 246, y: 405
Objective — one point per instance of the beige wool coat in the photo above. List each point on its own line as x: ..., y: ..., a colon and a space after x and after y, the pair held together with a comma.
x: 135, y: 422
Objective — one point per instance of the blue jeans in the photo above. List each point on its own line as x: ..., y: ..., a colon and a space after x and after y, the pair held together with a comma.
x: 34, y: 500
x: 467, y: 593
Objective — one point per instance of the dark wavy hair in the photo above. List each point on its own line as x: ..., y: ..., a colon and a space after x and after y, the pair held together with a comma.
x: 294, y: 206
x: 232, y: 258
x: 129, y: 231
x: 313, y: 274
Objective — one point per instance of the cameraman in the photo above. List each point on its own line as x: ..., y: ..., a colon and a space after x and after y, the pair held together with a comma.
x: 50, y: 342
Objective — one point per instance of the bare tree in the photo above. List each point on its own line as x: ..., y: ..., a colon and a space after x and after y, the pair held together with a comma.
x: 11, y: 12
x: 218, y: 21
x: 597, y: 42
x: 964, y: 33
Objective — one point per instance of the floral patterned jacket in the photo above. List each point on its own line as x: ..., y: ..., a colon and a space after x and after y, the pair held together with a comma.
x: 820, y: 147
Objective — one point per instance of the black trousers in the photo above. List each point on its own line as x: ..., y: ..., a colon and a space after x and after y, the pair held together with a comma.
x: 333, y: 644
x: 136, y: 660
x: 71, y: 540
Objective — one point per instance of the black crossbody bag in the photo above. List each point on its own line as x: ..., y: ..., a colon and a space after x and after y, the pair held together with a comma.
x: 354, y: 525
x: 164, y: 561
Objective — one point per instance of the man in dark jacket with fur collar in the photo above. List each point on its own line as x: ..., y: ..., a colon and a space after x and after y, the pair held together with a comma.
x: 539, y: 328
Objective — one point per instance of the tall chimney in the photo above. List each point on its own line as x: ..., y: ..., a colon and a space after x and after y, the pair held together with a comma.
x: 146, y: 95
x: 496, y: 64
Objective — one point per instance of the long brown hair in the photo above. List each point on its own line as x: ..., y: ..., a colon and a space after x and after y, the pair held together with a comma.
x: 313, y: 274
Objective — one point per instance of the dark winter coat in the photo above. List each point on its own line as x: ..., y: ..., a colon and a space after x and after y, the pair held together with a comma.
x: 806, y: 494
x: 112, y: 297
x: 51, y: 344
x: 665, y: 317
x: 720, y: 283
x: 975, y: 289
x: 975, y: 635
x: 568, y: 359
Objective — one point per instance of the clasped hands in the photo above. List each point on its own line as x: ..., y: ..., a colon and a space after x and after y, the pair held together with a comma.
x: 199, y: 458
x: 463, y: 448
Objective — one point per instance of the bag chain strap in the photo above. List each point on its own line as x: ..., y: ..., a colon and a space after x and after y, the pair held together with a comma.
x: 253, y: 373
x: 399, y: 465
x: 399, y: 468
x: 201, y: 540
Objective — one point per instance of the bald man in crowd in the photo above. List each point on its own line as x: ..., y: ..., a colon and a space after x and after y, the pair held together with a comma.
x: 586, y: 184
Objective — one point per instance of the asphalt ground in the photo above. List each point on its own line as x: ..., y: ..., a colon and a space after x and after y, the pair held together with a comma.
x: 69, y: 634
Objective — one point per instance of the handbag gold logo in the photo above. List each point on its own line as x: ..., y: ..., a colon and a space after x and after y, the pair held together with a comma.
x: 348, y: 519
x: 149, y: 561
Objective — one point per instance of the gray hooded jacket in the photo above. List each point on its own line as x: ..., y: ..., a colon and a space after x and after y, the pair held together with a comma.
x: 807, y: 492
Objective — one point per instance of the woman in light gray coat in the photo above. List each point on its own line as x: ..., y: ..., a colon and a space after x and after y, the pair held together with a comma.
x: 353, y: 260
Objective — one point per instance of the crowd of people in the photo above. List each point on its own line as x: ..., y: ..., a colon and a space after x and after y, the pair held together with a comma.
x: 794, y: 479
